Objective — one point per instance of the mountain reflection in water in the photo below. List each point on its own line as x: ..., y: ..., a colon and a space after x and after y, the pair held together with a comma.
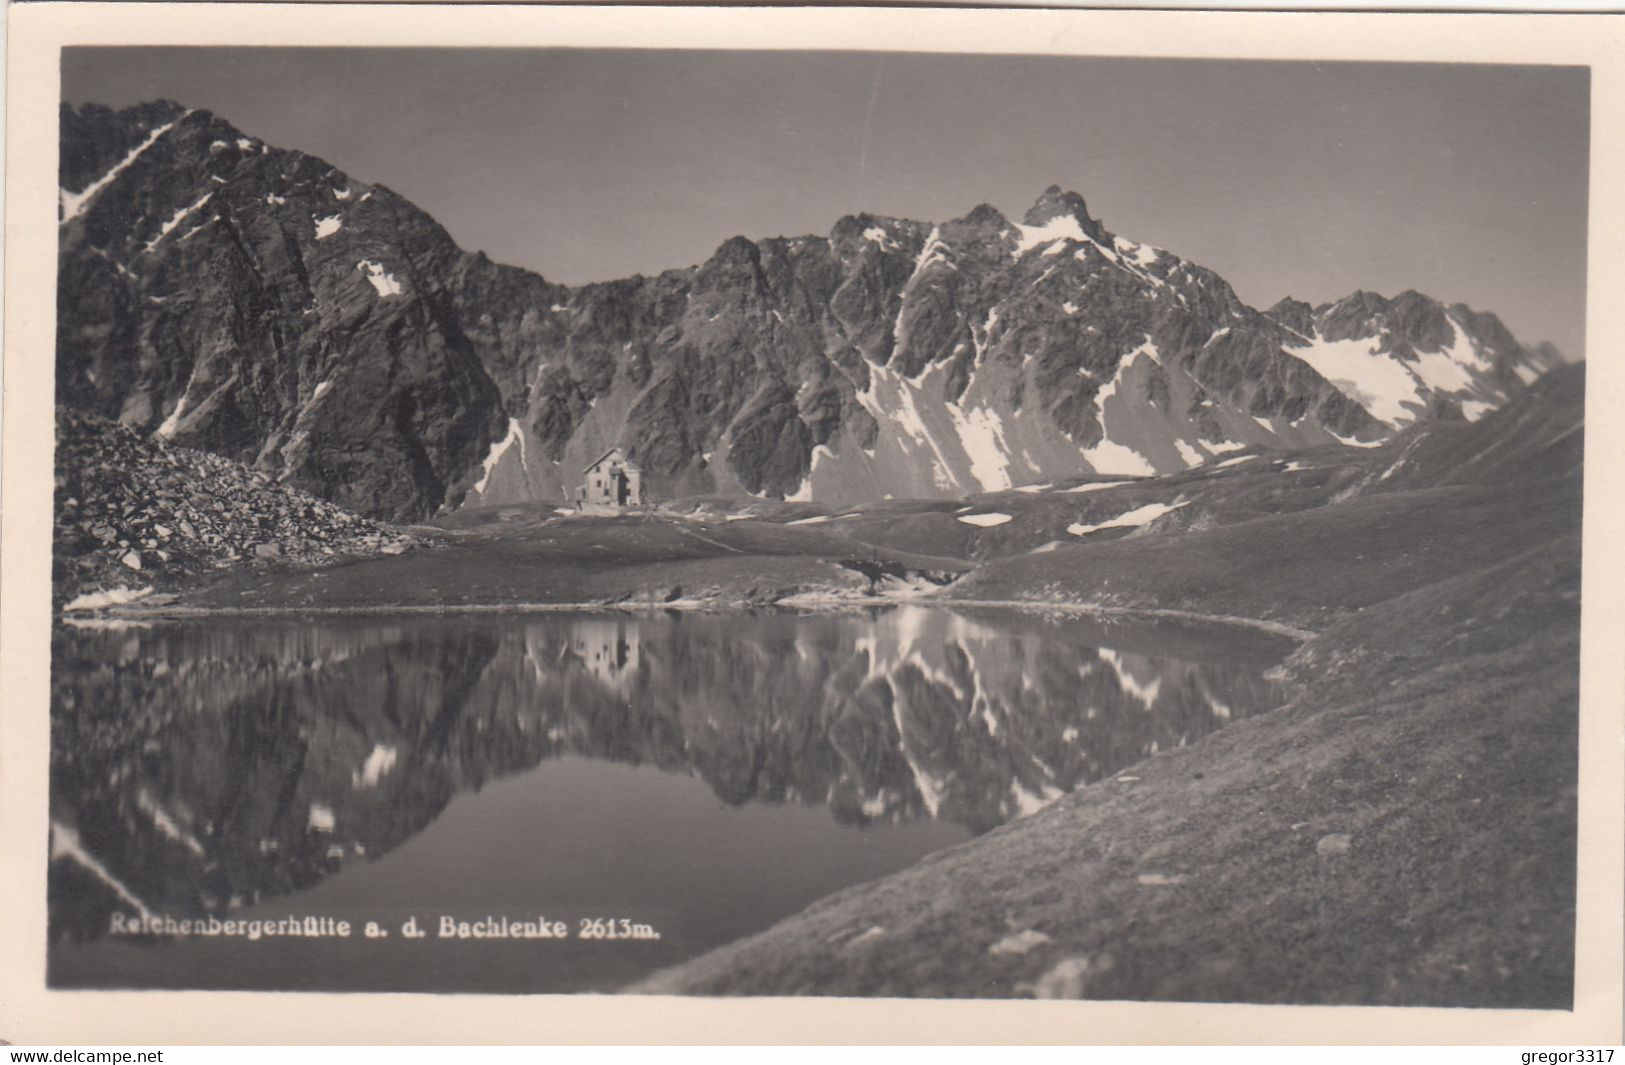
x: 206, y: 767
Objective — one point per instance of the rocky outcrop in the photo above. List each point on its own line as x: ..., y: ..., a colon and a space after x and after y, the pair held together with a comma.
x: 259, y: 304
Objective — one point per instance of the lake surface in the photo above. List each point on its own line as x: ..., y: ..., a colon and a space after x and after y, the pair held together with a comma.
x: 692, y: 777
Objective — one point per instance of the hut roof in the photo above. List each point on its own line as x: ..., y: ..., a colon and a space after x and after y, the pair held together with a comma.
x: 599, y: 460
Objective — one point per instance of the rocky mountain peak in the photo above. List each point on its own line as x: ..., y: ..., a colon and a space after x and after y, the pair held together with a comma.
x: 878, y: 231
x: 986, y: 216
x: 1055, y: 203
x: 737, y: 249
x: 1356, y: 304
x: 1294, y: 314
x: 736, y: 267
x: 95, y: 138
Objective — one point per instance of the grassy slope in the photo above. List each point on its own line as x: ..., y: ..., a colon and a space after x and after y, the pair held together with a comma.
x: 1210, y: 495
x: 1447, y: 760
x: 523, y: 556
x: 1304, y: 569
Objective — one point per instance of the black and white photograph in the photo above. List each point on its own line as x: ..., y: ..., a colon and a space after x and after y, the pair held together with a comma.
x: 847, y: 522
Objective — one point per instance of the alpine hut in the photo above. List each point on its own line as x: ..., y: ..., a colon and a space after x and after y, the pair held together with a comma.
x: 611, y: 481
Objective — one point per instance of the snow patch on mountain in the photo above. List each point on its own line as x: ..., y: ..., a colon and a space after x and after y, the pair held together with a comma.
x: 326, y: 227
x: 1141, y: 254
x: 1108, y: 456
x: 1061, y: 227
x: 1438, y: 370
x: 1128, y: 519
x: 877, y: 235
x: 1364, y: 374
x: 932, y: 252
x: 985, y: 521
x: 173, y: 422
x: 381, y: 279
x: 981, y: 434
x: 804, y: 494
x: 1349, y: 441
x: 516, y: 435
x: 179, y: 216
x: 904, y: 413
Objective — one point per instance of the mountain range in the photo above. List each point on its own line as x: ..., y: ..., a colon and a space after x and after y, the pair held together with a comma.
x: 255, y: 302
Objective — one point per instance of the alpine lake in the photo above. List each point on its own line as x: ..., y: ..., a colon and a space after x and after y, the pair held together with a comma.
x: 563, y: 802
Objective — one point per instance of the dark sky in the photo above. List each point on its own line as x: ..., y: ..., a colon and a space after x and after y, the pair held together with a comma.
x: 1467, y: 182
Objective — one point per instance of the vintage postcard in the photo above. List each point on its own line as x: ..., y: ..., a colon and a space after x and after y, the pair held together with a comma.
x: 774, y: 514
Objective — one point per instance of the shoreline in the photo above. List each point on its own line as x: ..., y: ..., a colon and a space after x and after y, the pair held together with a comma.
x: 809, y: 602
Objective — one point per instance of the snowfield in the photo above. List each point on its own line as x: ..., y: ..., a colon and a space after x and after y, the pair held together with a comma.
x: 1394, y: 391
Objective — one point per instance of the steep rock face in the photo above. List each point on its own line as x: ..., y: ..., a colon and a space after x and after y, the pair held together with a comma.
x: 258, y: 303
